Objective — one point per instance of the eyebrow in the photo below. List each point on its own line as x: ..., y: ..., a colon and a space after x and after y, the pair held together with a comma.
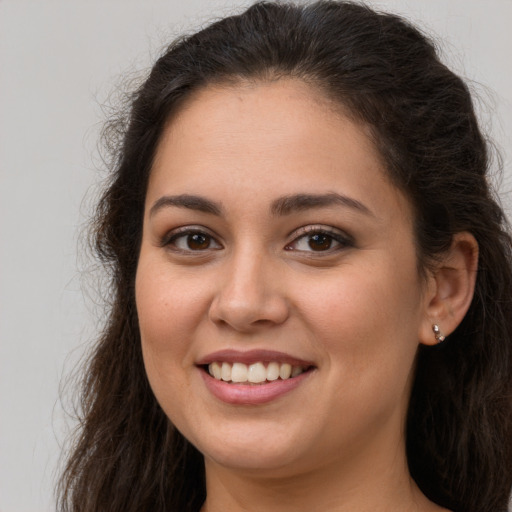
x: 280, y: 207
x: 191, y: 202
x: 299, y: 202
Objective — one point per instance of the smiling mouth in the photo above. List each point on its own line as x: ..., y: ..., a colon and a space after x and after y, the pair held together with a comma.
x: 256, y: 373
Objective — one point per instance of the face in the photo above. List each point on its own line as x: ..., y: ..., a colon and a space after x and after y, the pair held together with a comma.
x: 277, y: 288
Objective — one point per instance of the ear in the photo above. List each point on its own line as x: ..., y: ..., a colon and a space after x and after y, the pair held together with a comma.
x: 450, y: 288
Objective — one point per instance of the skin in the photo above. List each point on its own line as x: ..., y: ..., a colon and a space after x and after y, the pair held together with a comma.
x: 358, y: 310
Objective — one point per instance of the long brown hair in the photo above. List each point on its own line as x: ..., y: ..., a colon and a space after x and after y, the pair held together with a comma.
x: 128, y: 456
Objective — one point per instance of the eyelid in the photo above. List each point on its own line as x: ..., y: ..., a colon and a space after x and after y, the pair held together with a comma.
x: 176, y: 233
x: 343, y: 238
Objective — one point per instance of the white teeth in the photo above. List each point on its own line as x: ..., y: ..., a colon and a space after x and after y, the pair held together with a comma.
x: 225, y: 372
x: 255, y: 373
x: 273, y: 371
x: 285, y: 371
x: 216, y: 371
x: 239, y: 372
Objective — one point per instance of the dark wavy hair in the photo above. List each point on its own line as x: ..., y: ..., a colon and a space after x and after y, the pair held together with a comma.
x: 387, y: 75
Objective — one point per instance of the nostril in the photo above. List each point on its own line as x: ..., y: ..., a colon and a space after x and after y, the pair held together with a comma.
x: 244, y: 312
x: 263, y: 322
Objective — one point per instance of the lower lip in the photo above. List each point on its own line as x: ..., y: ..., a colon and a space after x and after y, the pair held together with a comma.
x: 251, y: 394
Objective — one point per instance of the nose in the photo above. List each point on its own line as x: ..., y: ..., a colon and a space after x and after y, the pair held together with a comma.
x: 249, y: 295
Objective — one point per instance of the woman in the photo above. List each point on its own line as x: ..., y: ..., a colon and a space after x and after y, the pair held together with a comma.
x: 312, y: 282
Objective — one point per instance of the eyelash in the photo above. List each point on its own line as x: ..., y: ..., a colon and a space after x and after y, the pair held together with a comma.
x: 174, y: 236
x: 342, y: 240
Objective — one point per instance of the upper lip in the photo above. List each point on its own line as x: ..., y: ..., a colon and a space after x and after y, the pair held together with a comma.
x: 251, y: 357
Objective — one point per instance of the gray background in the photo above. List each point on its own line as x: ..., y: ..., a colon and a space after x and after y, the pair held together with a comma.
x: 59, y: 59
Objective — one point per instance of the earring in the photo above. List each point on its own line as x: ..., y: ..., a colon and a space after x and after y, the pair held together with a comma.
x: 437, y: 333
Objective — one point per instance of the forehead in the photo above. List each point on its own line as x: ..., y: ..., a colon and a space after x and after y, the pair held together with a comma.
x: 276, y: 136
x: 243, y: 111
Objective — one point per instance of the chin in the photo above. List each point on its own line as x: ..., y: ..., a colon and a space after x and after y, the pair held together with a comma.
x: 257, y: 463
x: 252, y: 451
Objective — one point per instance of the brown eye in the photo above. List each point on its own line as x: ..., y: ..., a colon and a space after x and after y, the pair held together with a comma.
x: 320, y: 242
x: 198, y: 241
x: 191, y: 241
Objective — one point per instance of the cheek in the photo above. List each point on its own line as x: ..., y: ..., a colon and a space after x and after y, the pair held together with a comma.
x: 366, y: 320
x: 164, y: 350
x: 163, y: 319
x: 168, y: 308
x: 364, y: 299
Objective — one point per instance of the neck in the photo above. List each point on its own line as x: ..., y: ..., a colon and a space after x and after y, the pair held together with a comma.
x: 382, y: 485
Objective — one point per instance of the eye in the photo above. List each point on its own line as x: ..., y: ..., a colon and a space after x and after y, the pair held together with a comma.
x: 191, y: 240
x: 319, y: 240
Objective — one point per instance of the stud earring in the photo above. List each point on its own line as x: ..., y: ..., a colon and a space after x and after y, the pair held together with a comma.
x: 437, y: 333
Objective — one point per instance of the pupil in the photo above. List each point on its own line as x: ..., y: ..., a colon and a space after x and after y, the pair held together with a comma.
x: 320, y: 242
x: 198, y: 241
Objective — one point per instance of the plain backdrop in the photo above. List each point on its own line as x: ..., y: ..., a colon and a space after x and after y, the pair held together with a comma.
x: 59, y: 61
